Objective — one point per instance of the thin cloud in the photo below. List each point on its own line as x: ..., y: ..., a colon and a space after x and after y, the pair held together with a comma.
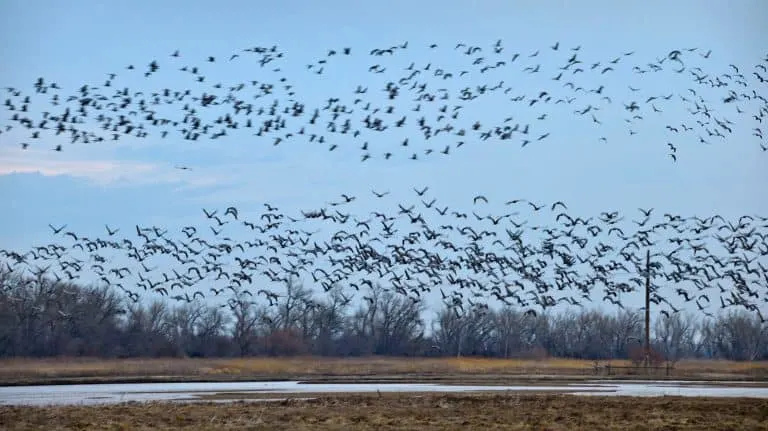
x: 101, y: 172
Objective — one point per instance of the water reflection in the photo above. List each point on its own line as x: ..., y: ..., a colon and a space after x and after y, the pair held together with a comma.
x: 116, y: 393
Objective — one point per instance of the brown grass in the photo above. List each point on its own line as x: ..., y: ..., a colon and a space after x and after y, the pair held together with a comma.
x: 407, y: 411
x: 66, y: 370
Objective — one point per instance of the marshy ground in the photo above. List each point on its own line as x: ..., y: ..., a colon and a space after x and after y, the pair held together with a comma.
x: 395, y: 411
x: 408, y: 411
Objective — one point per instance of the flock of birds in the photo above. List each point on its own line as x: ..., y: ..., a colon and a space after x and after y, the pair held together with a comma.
x: 410, y: 109
x: 403, y: 99
x: 414, y: 248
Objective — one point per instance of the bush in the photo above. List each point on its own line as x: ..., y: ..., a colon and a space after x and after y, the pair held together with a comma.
x: 636, y: 354
x: 284, y: 343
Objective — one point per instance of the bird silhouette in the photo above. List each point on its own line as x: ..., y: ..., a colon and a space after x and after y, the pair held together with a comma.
x: 273, y: 109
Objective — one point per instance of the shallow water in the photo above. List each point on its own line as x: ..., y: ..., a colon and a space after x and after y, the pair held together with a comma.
x: 116, y: 393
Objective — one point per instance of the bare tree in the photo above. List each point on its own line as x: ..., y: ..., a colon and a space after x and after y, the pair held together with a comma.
x: 41, y: 316
x: 245, y: 324
x: 674, y: 335
x: 507, y: 323
x: 146, y: 332
x: 291, y: 306
x: 628, y: 327
x: 456, y: 332
x: 183, y: 322
x: 736, y: 335
x: 398, y: 324
x: 210, y: 333
x: 328, y: 318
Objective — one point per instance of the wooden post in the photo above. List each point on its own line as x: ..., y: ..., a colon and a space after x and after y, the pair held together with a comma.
x: 647, y: 308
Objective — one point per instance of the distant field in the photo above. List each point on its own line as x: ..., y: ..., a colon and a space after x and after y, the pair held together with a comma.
x: 409, y: 412
x: 66, y: 370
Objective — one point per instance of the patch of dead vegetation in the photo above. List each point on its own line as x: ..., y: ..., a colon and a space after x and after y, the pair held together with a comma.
x: 82, y: 370
x: 408, y: 411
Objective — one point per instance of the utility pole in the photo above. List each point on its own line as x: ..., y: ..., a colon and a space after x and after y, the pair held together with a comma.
x: 647, y: 308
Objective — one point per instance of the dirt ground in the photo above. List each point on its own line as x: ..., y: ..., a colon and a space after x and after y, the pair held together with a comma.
x: 378, y: 369
x: 409, y: 412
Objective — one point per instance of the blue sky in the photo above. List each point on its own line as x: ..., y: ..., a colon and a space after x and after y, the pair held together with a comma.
x: 135, y: 181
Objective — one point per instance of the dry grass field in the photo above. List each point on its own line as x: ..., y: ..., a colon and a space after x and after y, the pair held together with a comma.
x: 409, y: 412
x: 399, y: 411
x: 70, y: 370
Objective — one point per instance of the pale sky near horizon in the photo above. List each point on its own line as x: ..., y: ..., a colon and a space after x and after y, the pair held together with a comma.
x: 135, y: 181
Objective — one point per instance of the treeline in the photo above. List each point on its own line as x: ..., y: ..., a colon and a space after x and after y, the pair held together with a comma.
x: 41, y: 318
